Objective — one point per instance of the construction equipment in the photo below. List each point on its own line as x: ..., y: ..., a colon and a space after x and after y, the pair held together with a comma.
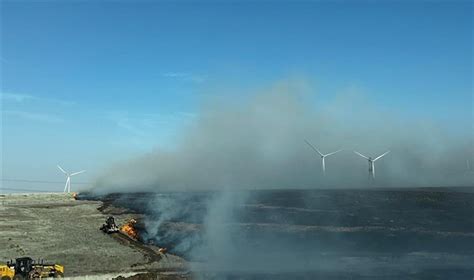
x: 109, y: 226
x: 27, y: 268
x: 6, y: 273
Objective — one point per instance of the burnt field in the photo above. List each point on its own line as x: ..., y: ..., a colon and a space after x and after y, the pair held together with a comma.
x: 409, y: 233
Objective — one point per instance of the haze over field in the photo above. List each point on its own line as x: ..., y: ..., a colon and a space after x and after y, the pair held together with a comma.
x: 258, y: 142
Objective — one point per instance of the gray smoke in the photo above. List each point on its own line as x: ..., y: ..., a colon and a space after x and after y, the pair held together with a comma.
x: 258, y: 142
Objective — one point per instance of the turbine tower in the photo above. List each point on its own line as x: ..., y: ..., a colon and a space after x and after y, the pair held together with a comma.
x: 68, y: 176
x: 469, y: 167
x: 372, y: 162
x: 323, y: 156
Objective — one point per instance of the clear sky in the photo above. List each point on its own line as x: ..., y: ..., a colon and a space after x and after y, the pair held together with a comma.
x: 84, y: 83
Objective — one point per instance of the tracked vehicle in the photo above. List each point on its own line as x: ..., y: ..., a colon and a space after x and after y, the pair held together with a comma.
x: 27, y: 268
x: 109, y: 226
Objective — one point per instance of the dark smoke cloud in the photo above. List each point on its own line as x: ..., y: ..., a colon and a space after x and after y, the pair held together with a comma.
x: 257, y: 141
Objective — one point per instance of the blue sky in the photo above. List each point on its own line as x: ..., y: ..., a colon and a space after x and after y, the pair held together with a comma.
x: 85, y: 83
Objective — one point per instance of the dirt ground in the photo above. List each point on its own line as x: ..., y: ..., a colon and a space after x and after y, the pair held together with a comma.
x: 59, y: 229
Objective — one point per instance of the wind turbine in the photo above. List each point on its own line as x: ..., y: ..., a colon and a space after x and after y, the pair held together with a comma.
x: 323, y: 156
x: 469, y: 167
x: 372, y: 162
x: 68, y: 176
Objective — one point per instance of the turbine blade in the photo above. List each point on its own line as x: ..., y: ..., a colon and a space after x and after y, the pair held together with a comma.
x: 333, y: 153
x: 75, y: 173
x: 381, y: 155
x: 361, y: 155
x: 314, y: 148
x: 62, y: 170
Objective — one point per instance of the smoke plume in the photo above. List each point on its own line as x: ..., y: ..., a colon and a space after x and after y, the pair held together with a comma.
x: 239, y: 145
x: 257, y: 142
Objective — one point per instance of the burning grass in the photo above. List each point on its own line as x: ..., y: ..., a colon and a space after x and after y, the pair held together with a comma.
x: 129, y: 229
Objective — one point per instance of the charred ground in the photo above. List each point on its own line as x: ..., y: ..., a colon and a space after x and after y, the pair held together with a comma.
x: 414, y: 233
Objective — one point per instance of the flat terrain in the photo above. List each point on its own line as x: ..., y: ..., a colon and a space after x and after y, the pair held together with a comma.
x: 57, y: 228
x: 278, y: 234
x: 425, y: 233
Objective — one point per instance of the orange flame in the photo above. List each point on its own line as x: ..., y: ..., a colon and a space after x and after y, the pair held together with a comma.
x: 163, y: 250
x: 129, y: 229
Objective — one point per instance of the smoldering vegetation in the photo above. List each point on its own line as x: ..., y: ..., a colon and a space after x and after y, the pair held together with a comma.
x: 229, y: 195
x: 257, y: 142
x: 309, y: 233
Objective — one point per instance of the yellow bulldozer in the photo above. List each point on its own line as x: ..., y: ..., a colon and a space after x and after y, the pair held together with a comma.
x: 27, y: 268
